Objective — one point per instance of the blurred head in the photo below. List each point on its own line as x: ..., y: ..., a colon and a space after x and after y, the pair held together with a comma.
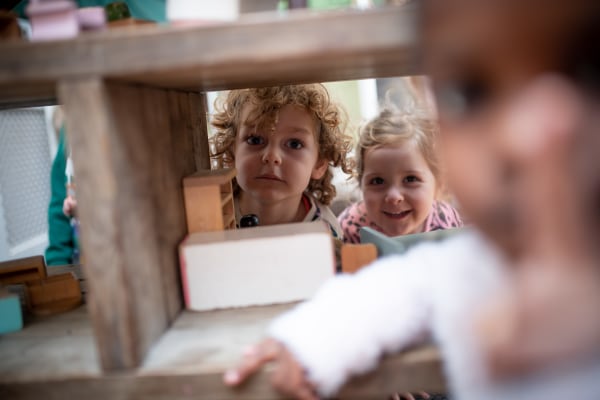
x: 265, y: 119
x: 398, y: 170
x: 517, y: 89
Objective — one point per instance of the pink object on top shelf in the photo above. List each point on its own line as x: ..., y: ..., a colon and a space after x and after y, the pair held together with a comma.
x: 91, y: 18
x: 52, y: 19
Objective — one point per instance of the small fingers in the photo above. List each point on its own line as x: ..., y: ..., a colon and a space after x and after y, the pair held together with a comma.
x: 253, y: 359
x: 289, y: 378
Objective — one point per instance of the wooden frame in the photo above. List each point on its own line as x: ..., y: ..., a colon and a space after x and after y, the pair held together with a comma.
x: 136, y: 120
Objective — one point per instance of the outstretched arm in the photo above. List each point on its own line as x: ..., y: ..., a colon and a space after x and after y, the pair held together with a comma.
x: 347, y: 326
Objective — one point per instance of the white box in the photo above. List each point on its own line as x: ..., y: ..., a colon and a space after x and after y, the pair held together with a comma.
x: 202, y: 10
x: 255, y: 266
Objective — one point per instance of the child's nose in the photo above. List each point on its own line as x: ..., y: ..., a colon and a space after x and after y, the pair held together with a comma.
x: 271, y: 155
x: 394, y: 195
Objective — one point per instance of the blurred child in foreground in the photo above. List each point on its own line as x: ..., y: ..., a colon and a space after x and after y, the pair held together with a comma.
x: 513, y: 308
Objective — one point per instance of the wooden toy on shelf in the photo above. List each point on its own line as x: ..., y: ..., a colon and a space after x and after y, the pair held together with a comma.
x: 22, y: 270
x: 54, y: 294
x: 43, y: 293
x: 208, y: 197
x: 356, y: 256
x: 53, y: 20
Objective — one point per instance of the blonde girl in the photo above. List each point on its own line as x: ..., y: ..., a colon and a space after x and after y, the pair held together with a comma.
x: 400, y: 178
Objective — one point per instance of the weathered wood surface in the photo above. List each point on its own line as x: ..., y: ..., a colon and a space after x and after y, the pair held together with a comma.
x: 257, y: 50
x: 131, y: 148
x: 54, y: 358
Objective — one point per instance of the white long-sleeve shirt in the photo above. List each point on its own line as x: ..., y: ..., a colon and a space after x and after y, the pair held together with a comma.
x: 436, y: 289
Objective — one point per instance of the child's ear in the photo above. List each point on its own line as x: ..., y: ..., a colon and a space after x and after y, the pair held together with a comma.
x: 319, y: 169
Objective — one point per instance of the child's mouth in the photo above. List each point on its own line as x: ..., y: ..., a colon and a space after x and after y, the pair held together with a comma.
x: 269, y: 177
x: 397, y: 215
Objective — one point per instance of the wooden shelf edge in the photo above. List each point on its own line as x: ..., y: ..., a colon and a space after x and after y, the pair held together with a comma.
x: 188, y: 361
x: 311, y: 47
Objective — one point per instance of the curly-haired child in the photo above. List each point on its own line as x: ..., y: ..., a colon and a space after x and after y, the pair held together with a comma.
x: 284, y: 142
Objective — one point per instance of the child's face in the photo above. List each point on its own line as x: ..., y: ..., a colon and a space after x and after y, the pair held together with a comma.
x: 487, y: 59
x: 398, y: 188
x: 277, y: 163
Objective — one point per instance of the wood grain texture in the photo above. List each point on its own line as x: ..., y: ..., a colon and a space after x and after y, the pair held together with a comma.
x: 131, y: 205
x: 188, y: 362
x: 22, y: 270
x: 257, y: 50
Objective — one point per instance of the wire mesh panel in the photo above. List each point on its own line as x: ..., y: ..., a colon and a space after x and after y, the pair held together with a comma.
x: 24, y: 181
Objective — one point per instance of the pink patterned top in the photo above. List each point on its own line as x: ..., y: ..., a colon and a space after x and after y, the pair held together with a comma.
x: 354, y: 217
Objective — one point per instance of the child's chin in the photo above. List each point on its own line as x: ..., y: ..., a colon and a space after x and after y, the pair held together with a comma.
x: 397, y: 231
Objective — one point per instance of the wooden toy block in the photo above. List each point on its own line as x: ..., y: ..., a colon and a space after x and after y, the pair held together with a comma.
x: 356, y: 256
x: 255, y: 266
x: 53, y: 20
x: 202, y: 11
x: 55, y: 294
x: 11, y: 317
x: 76, y: 270
x: 208, y: 198
x: 22, y: 270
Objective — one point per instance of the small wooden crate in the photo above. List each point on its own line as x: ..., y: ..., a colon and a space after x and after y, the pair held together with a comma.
x: 54, y: 294
x: 22, y: 270
x: 208, y: 197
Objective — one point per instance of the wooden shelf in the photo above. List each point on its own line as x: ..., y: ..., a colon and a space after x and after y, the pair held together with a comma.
x: 136, y: 112
x: 187, y: 361
x: 259, y: 49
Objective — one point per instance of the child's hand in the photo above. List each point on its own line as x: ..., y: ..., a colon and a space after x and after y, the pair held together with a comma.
x: 287, y: 377
x: 69, y: 206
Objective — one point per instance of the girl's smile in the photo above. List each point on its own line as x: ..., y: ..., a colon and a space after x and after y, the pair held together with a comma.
x: 397, y: 215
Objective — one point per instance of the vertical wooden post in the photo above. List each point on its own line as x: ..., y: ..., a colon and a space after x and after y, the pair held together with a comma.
x: 131, y: 148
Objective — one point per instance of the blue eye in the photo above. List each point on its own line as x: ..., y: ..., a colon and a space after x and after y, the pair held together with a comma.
x: 376, y: 181
x: 255, y: 140
x: 294, y: 144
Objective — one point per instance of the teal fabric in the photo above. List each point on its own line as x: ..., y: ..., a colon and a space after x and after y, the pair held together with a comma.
x: 60, y: 249
x: 153, y: 10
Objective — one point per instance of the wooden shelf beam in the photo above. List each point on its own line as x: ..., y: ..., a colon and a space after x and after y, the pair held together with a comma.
x: 258, y: 50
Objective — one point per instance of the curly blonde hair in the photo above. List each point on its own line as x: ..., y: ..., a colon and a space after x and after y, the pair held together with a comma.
x: 334, y: 144
x: 392, y: 127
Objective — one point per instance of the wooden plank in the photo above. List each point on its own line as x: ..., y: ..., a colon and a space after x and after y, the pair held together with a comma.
x: 154, y: 120
x: 63, y: 344
x: 188, y: 362
x: 258, y: 50
x: 131, y: 211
